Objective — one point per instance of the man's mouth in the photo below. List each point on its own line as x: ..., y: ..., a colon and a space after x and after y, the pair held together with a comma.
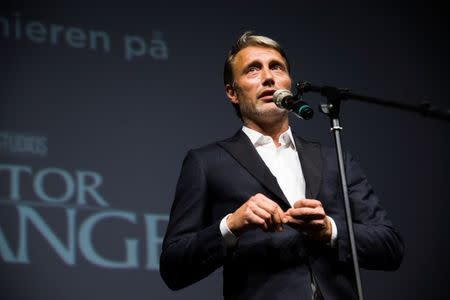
x: 267, y: 95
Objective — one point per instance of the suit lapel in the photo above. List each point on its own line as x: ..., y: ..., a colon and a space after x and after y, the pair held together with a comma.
x: 311, y: 163
x: 241, y: 149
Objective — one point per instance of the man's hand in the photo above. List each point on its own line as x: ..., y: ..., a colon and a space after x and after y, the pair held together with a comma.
x: 308, y: 216
x: 257, y: 211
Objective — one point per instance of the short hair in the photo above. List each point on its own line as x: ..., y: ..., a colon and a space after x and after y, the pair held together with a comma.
x: 245, y: 40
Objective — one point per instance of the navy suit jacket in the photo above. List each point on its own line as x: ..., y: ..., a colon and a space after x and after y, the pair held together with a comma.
x: 217, y: 179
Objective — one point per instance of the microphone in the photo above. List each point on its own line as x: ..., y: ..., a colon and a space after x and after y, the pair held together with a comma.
x: 284, y: 99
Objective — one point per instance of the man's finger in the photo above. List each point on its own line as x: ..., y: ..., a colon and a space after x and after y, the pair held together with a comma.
x: 316, y: 225
x: 307, y: 213
x: 272, y: 208
x: 306, y: 226
x: 277, y: 218
x: 252, y: 218
x: 307, y: 203
x: 262, y: 213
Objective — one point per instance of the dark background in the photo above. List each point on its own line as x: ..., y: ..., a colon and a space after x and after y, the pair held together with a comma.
x: 133, y: 121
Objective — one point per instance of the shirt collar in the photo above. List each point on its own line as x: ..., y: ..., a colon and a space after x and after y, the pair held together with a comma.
x: 258, y: 139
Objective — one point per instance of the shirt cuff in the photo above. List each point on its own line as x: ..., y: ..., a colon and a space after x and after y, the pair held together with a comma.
x: 228, y: 236
x: 334, y: 232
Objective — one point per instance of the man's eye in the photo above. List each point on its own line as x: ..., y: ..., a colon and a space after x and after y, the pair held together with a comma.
x: 277, y: 67
x: 252, y: 69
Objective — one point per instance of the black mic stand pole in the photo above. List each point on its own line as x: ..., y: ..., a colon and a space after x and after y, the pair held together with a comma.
x: 331, y: 109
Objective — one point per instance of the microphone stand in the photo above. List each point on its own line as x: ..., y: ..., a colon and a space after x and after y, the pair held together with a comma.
x: 425, y: 108
x: 332, y: 109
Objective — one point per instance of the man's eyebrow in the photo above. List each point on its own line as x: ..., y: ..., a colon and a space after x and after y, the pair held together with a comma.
x: 255, y: 62
x: 277, y: 61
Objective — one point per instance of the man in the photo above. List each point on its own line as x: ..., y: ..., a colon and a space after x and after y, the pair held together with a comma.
x: 266, y: 205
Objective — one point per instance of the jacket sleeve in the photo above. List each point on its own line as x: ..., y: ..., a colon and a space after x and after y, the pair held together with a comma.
x: 378, y: 243
x: 193, y: 246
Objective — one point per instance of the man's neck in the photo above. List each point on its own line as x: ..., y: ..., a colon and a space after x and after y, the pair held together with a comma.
x: 274, y: 130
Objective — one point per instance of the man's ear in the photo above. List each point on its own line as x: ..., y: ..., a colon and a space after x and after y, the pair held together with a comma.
x: 231, y: 94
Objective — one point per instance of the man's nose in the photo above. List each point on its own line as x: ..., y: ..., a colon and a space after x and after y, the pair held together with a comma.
x: 267, y: 77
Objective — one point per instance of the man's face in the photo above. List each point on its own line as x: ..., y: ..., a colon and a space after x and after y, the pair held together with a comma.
x: 258, y: 72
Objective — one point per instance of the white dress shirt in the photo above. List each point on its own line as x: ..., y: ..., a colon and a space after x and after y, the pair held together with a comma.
x: 284, y: 163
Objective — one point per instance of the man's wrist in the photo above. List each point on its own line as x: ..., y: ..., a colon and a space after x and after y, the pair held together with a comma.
x: 334, y: 232
x: 229, y: 237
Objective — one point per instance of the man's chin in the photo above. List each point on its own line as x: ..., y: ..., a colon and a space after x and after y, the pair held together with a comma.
x: 272, y: 114
x: 273, y: 111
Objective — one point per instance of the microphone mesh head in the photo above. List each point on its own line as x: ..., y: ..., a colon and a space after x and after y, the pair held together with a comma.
x: 279, y: 95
